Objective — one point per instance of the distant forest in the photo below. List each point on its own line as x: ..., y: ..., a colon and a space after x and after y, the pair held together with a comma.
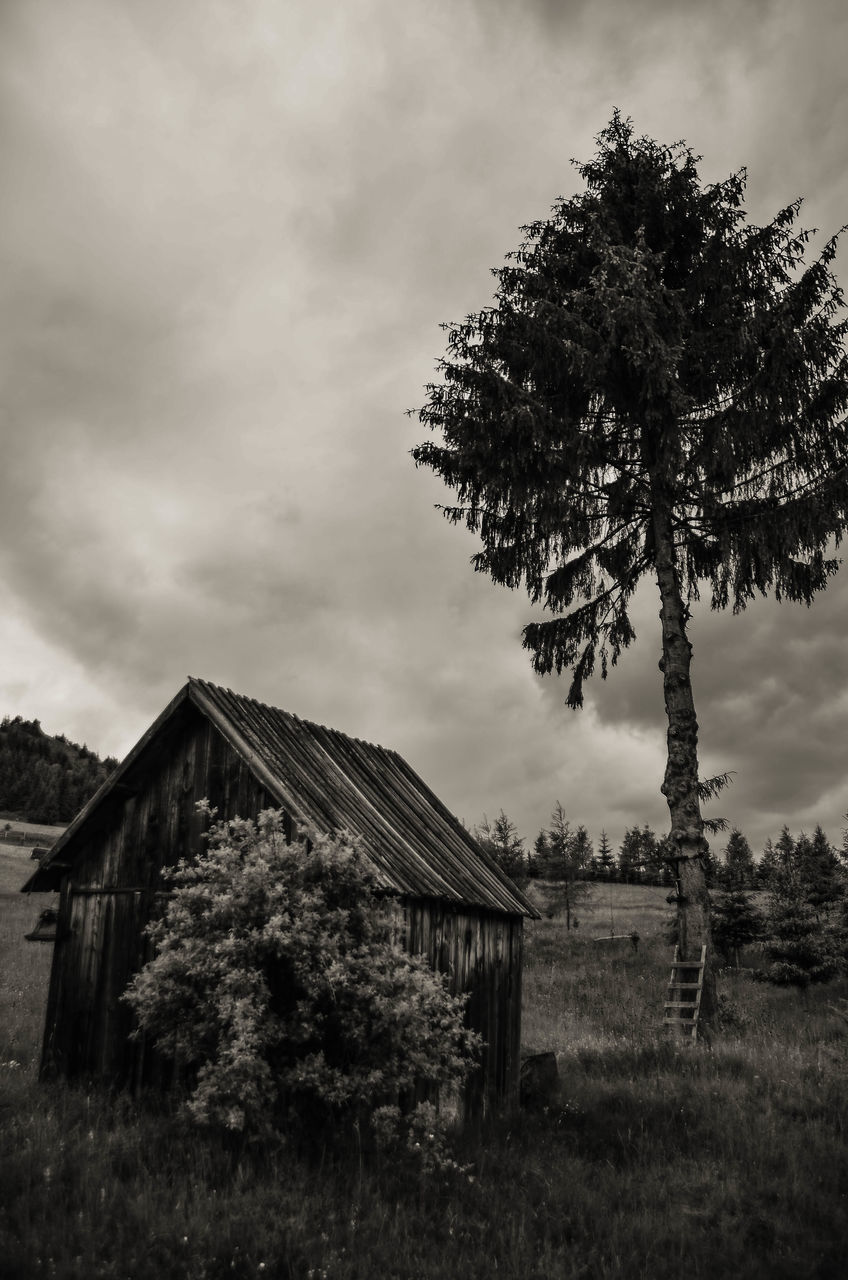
x: 45, y: 778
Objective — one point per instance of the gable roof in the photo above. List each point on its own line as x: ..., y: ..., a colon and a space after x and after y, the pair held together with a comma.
x: 329, y: 781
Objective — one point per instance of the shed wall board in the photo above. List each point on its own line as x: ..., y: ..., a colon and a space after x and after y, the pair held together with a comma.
x: 151, y: 821
x: 99, y: 945
x: 481, y: 952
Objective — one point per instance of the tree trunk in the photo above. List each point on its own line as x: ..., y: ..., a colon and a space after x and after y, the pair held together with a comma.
x: 680, y: 785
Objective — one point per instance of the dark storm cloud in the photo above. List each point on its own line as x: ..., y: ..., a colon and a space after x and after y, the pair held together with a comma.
x: 227, y: 239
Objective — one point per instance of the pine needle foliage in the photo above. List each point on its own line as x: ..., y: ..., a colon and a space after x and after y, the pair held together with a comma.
x: 650, y: 354
x: 736, y: 922
x: 798, y: 951
x: 502, y: 842
x: 660, y: 388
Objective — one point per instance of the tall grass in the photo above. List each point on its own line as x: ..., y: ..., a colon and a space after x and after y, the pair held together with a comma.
x: 660, y: 1160
x: 24, y: 967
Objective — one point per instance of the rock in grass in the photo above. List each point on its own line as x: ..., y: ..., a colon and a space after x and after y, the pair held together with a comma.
x: 539, y: 1080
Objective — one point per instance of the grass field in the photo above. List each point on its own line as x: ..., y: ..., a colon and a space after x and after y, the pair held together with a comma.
x: 15, y: 833
x: 660, y: 1161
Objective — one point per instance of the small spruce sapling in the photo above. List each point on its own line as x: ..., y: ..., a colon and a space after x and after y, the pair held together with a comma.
x: 796, y: 947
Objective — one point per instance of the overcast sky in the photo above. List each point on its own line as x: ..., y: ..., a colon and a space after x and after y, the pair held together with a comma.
x: 229, y: 233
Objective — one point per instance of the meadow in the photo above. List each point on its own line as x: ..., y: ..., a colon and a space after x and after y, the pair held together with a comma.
x: 659, y: 1160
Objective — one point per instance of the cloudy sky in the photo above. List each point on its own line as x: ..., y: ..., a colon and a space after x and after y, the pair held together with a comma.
x: 229, y: 232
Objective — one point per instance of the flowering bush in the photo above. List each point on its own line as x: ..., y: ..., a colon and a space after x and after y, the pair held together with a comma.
x: 421, y: 1135
x: 279, y: 984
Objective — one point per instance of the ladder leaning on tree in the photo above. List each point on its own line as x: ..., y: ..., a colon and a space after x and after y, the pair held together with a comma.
x: 684, y: 994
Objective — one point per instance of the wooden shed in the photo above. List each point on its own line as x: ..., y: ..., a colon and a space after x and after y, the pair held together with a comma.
x: 458, y: 907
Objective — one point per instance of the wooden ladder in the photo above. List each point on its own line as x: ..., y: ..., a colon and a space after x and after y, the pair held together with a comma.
x: 684, y: 994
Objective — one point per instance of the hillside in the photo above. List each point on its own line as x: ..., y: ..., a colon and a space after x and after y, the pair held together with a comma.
x: 45, y: 778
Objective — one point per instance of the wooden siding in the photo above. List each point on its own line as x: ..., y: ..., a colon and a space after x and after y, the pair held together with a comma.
x: 154, y: 820
x: 482, y: 954
x: 146, y: 819
x: 98, y: 947
x: 107, y: 900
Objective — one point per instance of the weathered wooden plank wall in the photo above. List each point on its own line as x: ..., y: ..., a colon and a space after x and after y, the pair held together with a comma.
x: 482, y: 954
x: 151, y: 821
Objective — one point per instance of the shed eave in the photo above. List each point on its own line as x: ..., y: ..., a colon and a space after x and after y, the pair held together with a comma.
x: 43, y: 880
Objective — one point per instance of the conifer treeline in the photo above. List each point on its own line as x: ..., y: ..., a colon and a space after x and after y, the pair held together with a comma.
x: 800, y: 921
x: 45, y: 778
x: 563, y: 851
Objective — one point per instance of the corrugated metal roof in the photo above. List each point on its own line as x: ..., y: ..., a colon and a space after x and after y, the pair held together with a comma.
x: 330, y: 781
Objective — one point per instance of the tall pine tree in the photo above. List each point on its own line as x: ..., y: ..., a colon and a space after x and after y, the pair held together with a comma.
x: 738, y: 871
x: 659, y: 388
x: 605, y: 858
x: 820, y: 873
x: 502, y: 842
x: 582, y: 850
x: 735, y: 918
x: 767, y: 865
x: 568, y: 853
x: 631, y: 856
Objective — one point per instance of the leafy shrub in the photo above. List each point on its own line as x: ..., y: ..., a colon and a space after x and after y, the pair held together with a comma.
x: 731, y: 1016
x: 421, y: 1136
x: 279, y: 985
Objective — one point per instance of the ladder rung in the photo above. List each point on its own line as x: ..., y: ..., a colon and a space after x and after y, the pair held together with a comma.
x: 683, y: 1014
